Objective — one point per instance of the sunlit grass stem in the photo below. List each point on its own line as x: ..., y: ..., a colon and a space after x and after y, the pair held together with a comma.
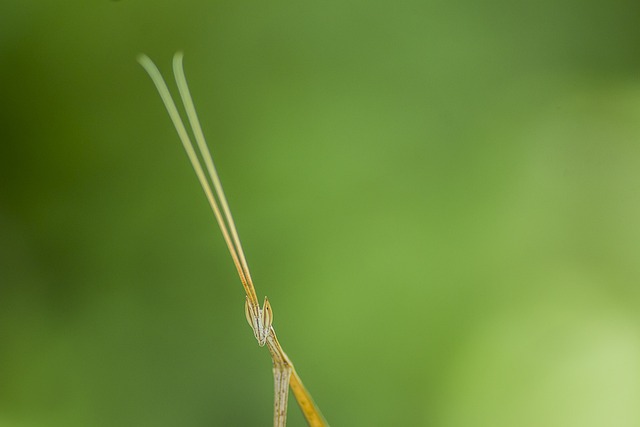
x: 260, y: 318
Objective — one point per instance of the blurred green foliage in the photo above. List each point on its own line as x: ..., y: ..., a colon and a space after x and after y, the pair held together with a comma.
x: 441, y: 200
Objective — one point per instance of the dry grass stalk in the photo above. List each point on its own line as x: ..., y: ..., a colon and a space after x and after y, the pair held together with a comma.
x: 260, y: 318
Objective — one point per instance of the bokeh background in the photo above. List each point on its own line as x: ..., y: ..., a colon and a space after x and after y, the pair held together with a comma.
x: 441, y: 200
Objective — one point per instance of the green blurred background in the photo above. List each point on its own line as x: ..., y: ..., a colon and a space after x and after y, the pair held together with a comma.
x: 441, y: 200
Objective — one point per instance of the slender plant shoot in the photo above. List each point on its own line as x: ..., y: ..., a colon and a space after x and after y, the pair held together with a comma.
x: 260, y: 318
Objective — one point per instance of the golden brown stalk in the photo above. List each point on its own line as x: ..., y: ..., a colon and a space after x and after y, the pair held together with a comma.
x: 260, y: 318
